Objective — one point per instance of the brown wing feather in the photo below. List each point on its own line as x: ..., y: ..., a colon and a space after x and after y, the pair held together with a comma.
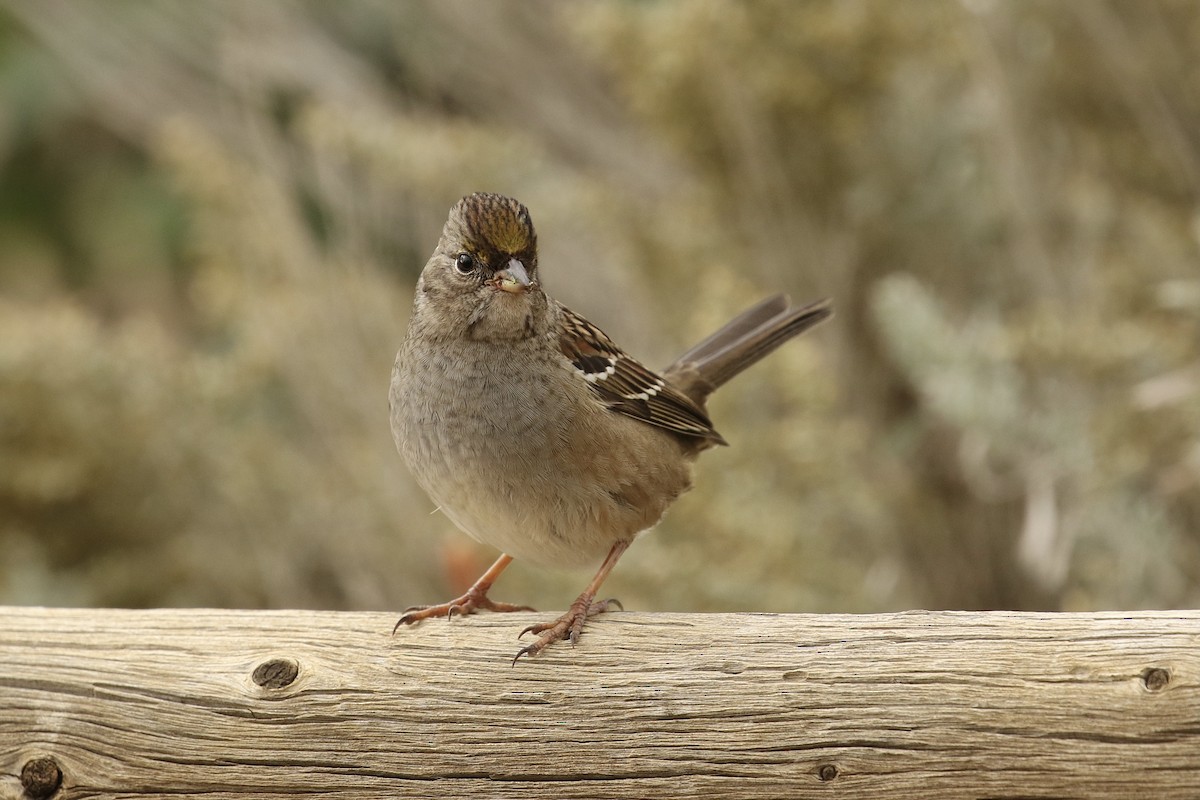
x: 624, y: 385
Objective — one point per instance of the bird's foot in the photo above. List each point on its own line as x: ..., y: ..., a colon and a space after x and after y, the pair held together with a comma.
x: 568, y: 626
x: 472, y: 601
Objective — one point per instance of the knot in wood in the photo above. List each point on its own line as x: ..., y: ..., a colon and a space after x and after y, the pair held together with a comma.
x: 1155, y: 679
x: 827, y: 772
x: 41, y: 777
x: 276, y: 673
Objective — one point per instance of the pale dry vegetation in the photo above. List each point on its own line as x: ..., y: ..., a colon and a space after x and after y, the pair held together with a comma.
x: 212, y: 214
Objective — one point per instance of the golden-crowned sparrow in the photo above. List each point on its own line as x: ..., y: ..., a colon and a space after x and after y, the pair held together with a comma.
x: 530, y: 429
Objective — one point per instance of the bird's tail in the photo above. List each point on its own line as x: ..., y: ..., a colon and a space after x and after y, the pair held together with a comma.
x: 741, y: 342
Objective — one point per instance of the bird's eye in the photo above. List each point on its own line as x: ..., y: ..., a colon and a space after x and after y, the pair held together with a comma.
x: 465, y: 263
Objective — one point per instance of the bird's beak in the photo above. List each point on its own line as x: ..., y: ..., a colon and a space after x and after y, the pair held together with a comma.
x: 513, y: 278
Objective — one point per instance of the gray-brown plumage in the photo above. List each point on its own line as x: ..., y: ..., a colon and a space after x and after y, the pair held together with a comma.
x: 529, y: 428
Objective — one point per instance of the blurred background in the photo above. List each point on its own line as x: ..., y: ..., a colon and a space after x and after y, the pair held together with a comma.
x: 212, y: 215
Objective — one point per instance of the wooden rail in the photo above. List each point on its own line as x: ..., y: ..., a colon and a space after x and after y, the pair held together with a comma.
x: 282, y: 704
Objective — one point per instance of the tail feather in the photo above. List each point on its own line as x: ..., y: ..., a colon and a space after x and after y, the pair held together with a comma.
x: 742, y: 324
x: 741, y: 343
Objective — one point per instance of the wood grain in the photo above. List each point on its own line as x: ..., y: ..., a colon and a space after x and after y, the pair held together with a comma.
x: 135, y: 704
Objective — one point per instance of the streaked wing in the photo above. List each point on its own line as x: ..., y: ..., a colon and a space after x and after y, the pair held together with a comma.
x: 624, y: 385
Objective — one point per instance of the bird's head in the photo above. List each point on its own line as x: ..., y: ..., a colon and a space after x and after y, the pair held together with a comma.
x: 482, y: 280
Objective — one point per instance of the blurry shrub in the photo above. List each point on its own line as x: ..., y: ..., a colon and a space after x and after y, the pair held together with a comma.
x: 211, y: 215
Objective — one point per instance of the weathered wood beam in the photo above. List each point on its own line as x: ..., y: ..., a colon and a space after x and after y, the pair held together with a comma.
x: 281, y: 704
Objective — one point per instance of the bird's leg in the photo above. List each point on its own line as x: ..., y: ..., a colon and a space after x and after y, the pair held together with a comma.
x: 570, y: 624
x: 472, y: 600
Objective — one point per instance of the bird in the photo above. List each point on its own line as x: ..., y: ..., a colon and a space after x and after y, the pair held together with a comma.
x: 531, y: 429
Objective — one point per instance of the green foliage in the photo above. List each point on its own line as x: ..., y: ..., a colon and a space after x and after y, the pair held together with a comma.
x: 211, y: 216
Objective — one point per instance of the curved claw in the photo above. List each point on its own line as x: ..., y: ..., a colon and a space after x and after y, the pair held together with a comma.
x: 528, y: 649
x: 410, y: 615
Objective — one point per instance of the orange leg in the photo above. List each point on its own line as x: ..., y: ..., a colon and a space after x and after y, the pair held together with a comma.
x: 472, y: 600
x: 570, y: 624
